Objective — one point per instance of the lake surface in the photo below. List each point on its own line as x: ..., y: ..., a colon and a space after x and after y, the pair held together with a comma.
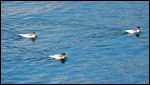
x: 89, y: 32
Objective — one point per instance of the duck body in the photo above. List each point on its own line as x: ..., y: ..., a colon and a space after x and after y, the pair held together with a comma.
x: 28, y: 35
x: 58, y: 56
x: 133, y: 31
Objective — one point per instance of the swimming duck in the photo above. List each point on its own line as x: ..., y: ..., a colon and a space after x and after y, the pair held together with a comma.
x: 28, y: 35
x: 58, y: 56
x: 133, y: 31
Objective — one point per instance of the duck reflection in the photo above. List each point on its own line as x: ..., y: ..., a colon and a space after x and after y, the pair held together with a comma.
x: 33, y: 39
x: 63, y: 60
x: 137, y: 34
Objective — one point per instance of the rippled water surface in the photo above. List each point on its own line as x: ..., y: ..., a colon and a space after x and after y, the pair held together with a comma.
x: 91, y: 33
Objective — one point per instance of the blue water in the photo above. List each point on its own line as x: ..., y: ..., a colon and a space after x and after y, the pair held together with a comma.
x: 90, y: 32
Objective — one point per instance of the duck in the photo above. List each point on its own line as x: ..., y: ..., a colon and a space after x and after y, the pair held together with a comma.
x: 133, y: 31
x: 28, y: 35
x: 58, y: 56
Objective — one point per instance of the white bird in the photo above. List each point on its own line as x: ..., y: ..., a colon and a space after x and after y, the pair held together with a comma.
x: 58, y: 56
x: 132, y: 31
x: 28, y: 35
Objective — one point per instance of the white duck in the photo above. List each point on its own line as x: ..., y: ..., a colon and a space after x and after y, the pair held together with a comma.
x: 58, y: 56
x: 28, y: 35
x: 133, y: 31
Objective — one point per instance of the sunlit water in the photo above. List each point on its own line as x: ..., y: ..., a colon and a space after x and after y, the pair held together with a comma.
x: 91, y: 33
